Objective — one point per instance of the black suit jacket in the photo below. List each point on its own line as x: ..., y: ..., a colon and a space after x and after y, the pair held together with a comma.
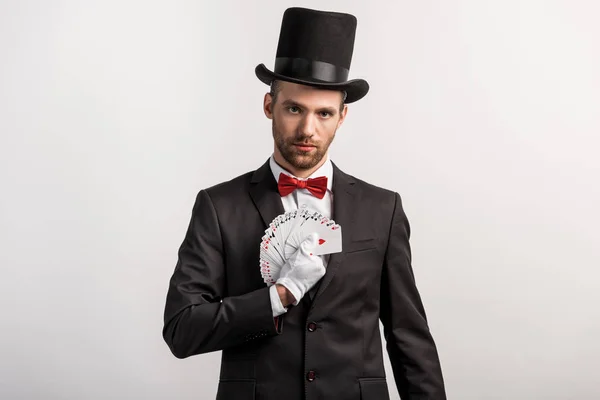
x: 327, y: 347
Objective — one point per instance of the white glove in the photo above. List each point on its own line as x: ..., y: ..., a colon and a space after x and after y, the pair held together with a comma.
x: 302, y: 270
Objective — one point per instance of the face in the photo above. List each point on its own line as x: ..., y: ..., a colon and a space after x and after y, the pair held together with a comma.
x: 305, y: 120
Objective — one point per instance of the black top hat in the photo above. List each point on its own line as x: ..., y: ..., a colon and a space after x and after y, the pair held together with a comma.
x: 315, y: 48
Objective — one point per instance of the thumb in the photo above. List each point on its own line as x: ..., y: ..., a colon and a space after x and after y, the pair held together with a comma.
x: 310, y: 241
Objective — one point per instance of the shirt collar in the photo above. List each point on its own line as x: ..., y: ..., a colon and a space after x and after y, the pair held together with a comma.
x: 324, y: 170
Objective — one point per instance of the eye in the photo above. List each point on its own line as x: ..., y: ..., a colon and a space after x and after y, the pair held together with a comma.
x: 325, y: 114
x: 293, y: 109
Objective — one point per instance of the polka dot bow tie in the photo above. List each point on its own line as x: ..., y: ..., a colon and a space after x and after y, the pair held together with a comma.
x: 316, y: 186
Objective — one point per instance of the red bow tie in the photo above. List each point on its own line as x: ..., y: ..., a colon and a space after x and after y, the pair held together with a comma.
x: 317, y: 186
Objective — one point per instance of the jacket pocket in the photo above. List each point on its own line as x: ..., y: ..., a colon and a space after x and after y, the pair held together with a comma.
x: 373, y: 389
x: 236, y: 389
x: 358, y: 245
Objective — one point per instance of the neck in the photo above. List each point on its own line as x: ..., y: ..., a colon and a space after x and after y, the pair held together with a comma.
x: 300, y: 173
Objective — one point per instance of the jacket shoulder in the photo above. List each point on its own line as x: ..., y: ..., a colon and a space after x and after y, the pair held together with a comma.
x: 371, y: 189
x: 231, y: 187
x: 374, y: 189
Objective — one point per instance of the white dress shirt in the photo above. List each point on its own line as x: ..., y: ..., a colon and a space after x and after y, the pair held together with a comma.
x: 302, y: 198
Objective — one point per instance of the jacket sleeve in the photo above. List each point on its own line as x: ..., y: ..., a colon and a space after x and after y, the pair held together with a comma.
x: 198, y: 317
x: 410, y: 345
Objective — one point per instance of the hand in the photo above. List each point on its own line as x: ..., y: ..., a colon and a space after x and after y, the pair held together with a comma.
x: 284, y: 295
x: 302, y: 270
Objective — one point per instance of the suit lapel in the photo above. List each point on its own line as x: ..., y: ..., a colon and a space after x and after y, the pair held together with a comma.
x: 266, y: 198
x: 344, y: 203
x: 265, y: 195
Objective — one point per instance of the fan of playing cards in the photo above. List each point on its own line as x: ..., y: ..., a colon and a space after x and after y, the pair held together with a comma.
x: 285, y: 234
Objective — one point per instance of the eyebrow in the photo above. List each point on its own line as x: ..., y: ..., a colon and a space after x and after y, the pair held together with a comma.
x: 290, y: 103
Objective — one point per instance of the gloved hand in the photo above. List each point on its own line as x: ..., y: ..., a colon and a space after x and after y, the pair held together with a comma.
x: 302, y: 270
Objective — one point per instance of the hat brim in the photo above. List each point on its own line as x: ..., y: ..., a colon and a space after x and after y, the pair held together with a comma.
x: 355, y: 89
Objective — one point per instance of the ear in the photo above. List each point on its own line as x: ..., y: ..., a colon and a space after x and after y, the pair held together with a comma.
x: 343, y: 115
x: 268, y: 105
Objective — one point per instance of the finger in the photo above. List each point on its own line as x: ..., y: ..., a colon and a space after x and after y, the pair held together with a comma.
x: 310, y: 241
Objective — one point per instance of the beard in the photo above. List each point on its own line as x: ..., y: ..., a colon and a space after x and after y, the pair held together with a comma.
x: 299, y: 159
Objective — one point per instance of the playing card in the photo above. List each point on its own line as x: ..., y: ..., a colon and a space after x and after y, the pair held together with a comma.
x: 285, y: 233
x: 293, y: 240
x: 276, y: 243
x: 268, y: 272
x: 285, y: 225
x: 268, y: 252
x: 300, y: 218
x: 329, y: 234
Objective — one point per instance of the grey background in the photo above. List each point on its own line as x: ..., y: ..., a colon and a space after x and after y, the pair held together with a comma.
x: 484, y: 115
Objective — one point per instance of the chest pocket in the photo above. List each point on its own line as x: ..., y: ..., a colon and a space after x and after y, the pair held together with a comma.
x: 361, y: 245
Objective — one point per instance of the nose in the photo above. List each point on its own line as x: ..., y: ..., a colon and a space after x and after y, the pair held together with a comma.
x: 308, y: 126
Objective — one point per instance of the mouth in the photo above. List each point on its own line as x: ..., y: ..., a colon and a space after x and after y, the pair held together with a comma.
x: 304, y: 147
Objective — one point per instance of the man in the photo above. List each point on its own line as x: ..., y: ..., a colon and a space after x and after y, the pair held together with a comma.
x: 315, y: 333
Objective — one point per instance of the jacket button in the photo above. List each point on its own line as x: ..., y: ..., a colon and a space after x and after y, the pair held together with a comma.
x: 312, y: 327
x: 311, y: 376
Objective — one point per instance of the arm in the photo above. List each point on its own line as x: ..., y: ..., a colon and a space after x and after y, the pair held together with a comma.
x: 412, y: 351
x: 198, y: 318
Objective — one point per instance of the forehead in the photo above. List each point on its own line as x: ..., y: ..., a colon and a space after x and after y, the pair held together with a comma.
x: 308, y: 95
